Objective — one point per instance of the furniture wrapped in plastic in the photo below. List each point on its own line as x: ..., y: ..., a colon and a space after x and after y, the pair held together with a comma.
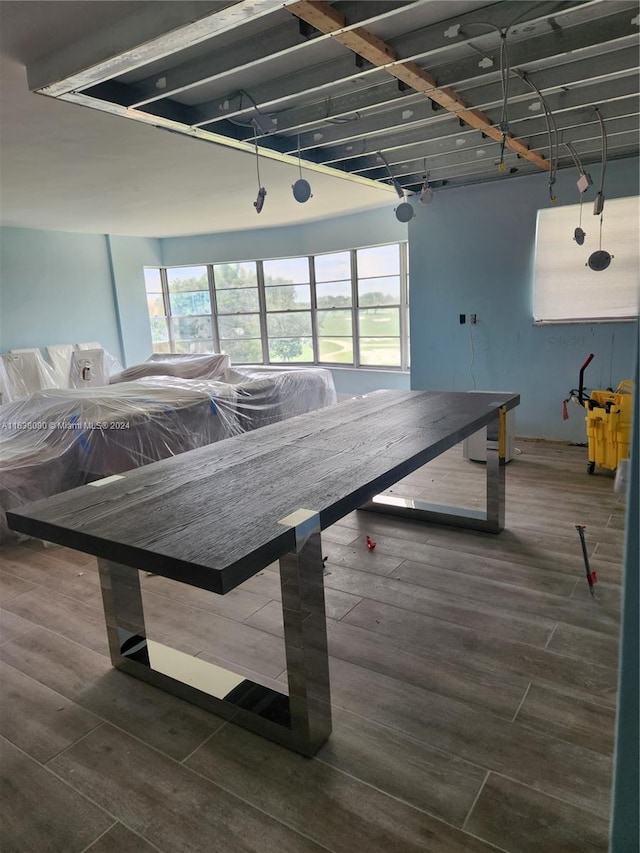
x: 88, y: 369
x: 211, y: 366
x: 23, y: 373
x: 267, y: 395
x: 61, y: 438
x: 60, y: 356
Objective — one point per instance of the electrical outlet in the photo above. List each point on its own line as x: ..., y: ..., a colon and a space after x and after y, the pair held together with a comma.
x: 472, y: 318
x: 463, y: 319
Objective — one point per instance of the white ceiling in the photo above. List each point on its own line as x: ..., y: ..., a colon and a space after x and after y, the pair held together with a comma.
x: 69, y: 168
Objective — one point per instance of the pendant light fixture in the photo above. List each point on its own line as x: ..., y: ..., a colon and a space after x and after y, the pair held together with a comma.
x: 583, y: 183
x: 426, y: 193
x: 404, y: 211
x: 600, y: 260
x: 301, y: 188
x: 259, y: 202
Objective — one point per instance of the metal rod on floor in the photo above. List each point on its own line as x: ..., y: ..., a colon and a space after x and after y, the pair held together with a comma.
x: 592, y: 578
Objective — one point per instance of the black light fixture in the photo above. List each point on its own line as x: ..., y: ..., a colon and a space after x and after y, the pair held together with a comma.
x: 259, y: 202
x: 583, y: 183
x: 301, y: 188
x: 404, y: 211
x: 600, y: 259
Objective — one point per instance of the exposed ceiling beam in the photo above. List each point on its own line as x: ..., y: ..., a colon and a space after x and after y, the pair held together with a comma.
x: 583, y: 37
x: 420, y: 119
x: 465, y: 174
x: 282, y: 40
x: 364, y: 43
x: 488, y: 155
x: 437, y: 38
x: 404, y: 159
x: 388, y: 93
x: 151, y: 33
x: 320, y: 80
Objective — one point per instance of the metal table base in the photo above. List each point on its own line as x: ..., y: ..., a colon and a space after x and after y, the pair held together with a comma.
x: 299, y: 719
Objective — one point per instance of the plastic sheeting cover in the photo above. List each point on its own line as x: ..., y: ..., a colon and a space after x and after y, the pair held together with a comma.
x: 61, y: 438
x: 23, y: 373
x: 186, y: 367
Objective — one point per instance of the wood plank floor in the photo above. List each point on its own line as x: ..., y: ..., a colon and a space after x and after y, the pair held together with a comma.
x: 473, y: 681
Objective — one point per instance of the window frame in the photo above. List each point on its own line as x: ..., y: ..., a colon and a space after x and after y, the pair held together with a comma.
x: 354, y: 309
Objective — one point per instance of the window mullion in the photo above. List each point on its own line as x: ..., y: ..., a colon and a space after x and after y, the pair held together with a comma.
x: 315, y: 343
x: 354, y: 309
x: 262, y: 303
x: 167, y: 305
x: 215, y: 331
x: 404, y: 307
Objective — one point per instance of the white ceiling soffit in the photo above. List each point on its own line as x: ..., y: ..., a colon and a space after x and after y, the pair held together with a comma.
x: 449, y: 89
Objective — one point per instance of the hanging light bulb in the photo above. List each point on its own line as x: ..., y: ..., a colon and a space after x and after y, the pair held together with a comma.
x: 259, y: 202
x: 600, y: 259
x: 404, y: 211
x: 583, y: 183
x: 301, y: 188
x: 426, y: 193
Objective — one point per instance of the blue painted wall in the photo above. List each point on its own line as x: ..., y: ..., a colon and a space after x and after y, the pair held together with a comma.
x: 128, y: 257
x: 328, y: 235
x: 57, y: 287
x: 471, y: 251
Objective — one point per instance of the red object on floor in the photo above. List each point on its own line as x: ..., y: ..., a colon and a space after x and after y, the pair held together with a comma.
x: 594, y: 577
x: 370, y: 543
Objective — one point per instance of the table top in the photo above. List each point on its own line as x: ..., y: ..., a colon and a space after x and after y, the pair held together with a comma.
x: 209, y: 517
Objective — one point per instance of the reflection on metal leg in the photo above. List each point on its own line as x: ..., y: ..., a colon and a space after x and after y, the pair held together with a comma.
x: 496, y: 444
x: 305, y: 636
x: 122, y: 601
x: 302, y: 720
x: 491, y: 521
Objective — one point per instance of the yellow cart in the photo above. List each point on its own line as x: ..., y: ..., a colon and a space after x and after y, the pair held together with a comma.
x: 608, y: 421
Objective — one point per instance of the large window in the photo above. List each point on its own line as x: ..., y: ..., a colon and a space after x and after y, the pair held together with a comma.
x: 343, y: 308
x: 566, y: 289
x: 190, y: 309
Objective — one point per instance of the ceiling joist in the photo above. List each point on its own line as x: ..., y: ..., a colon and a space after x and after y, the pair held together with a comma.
x: 329, y: 21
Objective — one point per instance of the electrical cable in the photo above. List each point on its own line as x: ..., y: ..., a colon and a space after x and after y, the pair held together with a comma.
x: 338, y: 119
x: 504, y: 74
x: 523, y: 13
x: 504, y: 78
x: 259, y: 202
x: 600, y: 259
x: 551, y: 123
x: 605, y: 149
x: 242, y: 93
x: 600, y: 241
x: 584, y: 182
x: 576, y: 160
x: 301, y: 188
x: 396, y: 183
x: 473, y: 357
x: 255, y: 142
